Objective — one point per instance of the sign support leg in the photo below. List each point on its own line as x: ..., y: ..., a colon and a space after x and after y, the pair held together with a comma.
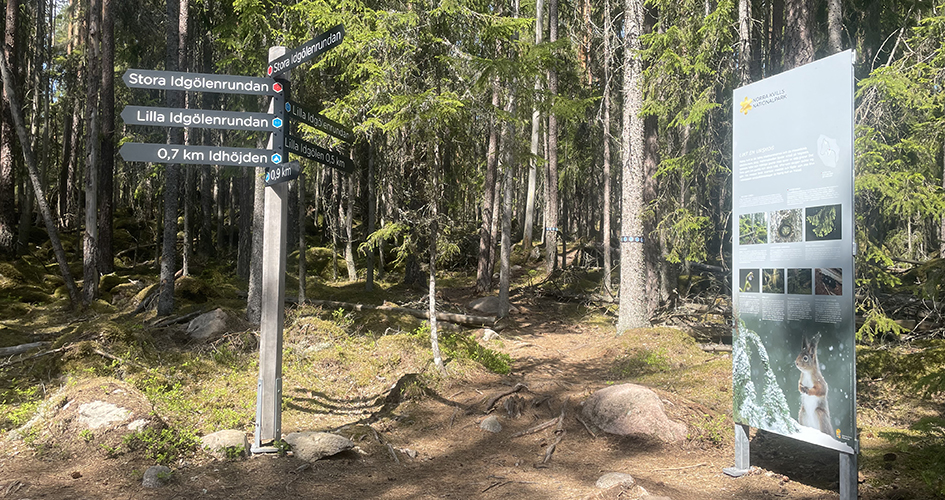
x: 268, y: 428
x: 849, y: 477
x: 742, y: 459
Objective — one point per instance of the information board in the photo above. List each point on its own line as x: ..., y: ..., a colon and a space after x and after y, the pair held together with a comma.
x: 794, y: 361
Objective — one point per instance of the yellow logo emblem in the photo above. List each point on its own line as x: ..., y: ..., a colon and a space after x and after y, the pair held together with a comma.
x: 838, y: 433
x: 746, y: 106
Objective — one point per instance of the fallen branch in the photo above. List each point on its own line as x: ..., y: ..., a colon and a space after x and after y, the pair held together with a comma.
x: 492, y: 401
x: 462, y: 319
x: 178, y: 319
x: 559, y: 431
x: 20, y: 349
x: 682, y: 468
x: 540, y: 427
x: 33, y: 356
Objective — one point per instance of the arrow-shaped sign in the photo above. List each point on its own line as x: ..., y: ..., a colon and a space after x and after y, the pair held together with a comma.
x: 200, y: 118
x: 319, y: 154
x: 282, y: 173
x: 312, y: 49
x: 199, y: 155
x: 200, y: 82
x: 330, y: 127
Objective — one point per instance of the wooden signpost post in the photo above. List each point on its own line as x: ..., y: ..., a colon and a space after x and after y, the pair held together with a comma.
x: 268, y: 427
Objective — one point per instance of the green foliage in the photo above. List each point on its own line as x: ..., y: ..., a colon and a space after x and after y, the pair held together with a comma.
x: 459, y: 345
x: 162, y: 446
x: 19, y: 403
x: 641, y: 361
x: 823, y: 222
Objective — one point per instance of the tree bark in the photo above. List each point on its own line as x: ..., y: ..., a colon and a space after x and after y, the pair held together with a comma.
x: 106, y: 200
x: 505, y: 258
x: 607, y: 279
x: 434, y: 230
x: 92, y: 146
x: 834, y: 26
x: 551, y: 168
x: 371, y: 216
x: 529, y: 225
x: 7, y: 176
x: 245, y: 244
x: 798, y: 42
x: 632, y: 310
x: 744, y: 42
x: 175, y: 99
x: 349, y: 229
x: 254, y: 296
x: 651, y: 245
x: 776, y: 44
x: 302, y: 246
x: 484, y: 268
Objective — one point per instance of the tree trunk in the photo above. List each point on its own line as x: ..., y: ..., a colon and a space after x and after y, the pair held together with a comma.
x: 371, y: 216
x: 744, y: 42
x: 349, y: 230
x: 106, y: 200
x: 175, y: 99
x: 651, y: 244
x: 607, y: 279
x: 632, y: 311
x: 798, y: 42
x: 434, y: 234
x: 254, y: 292
x: 245, y: 244
x: 7, y: 175
x: 184, y: 65
x: 529, y: 226
x: 9, y: 84
x: 486, y: 243
x: 93, y: 145
x: 834, y: 26
x: 551, y: 168
x: 506, y: 252
x: 302, y: 247
x: 776, y: 44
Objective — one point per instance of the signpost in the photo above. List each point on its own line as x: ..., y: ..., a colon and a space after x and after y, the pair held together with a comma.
x: 310, y: 50
x: 283, y: 173
x: 200, y: 118
x: 199, y: 155
x: 319, y: 154
x: 315, y: 119
x: 793, y: 359
x: 200, y: 82
x: 268, y: 426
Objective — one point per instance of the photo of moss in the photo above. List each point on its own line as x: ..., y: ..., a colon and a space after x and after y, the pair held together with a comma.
x: 753, y: 229
x: 786, y: 226
x: 823, y: 223
x: 772, y: 281
x: 828, y: 281
x: 749, y: 281
x: 800, y: 281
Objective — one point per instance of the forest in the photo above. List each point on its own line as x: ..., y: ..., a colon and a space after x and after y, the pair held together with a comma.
x: 505, y: 148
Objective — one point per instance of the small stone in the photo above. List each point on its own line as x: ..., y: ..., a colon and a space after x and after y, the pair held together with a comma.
x: 489, y: 334
x: 226, y: 444
x: 76, y: 475
x: 491, y: 424
x: 612, y: 479
x: 410, y: 453
x: 311, y: 446
x: 156, y: 476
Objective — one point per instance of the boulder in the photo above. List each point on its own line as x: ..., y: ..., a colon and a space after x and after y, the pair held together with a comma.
x: 96, y: 414
x: 226, y: 444
x: 488, y: 306
x: 156, y: 476
x: 491, y: 424
x: 631, y: 410
x: 312, y: 446
x: 209, y: 325
x: 612, y: 479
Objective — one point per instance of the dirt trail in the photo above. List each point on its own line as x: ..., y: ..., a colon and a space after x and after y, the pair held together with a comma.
x: 559, y: 363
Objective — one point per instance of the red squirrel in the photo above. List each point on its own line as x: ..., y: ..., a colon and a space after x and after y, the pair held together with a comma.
x: 813, y: 388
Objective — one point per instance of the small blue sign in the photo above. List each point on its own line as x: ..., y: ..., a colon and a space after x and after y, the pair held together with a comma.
x: 277, y: 158
x: 277, y: 122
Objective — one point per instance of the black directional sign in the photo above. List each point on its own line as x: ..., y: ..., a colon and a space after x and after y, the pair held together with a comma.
x: 297, y: 112
x: 200, y: 118
x: 199, y: 155
x: 200, y: 82
x: 319, y: 154
x: 312, y: 49
x: 282, y: 173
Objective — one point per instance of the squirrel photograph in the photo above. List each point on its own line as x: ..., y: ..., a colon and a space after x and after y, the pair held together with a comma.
x: 813, y: 388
